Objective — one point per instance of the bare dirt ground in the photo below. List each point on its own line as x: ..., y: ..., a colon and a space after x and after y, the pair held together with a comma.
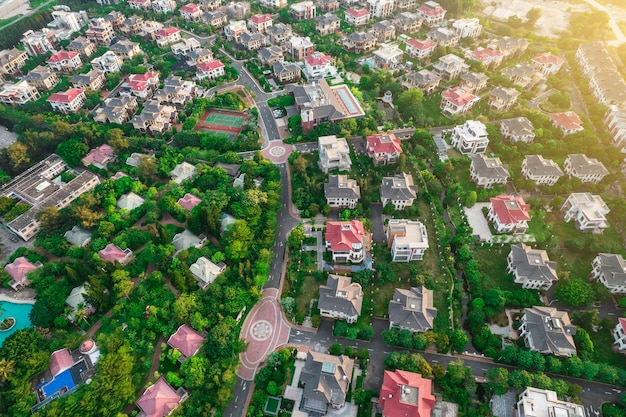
x: 554, y: 14
x: 10, y: 8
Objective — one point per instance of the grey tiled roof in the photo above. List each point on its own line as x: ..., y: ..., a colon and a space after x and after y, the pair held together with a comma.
x: 341, y: 295
x: 486, y: 167
x: 412, y: 309
x: 533, y: 263
x: 550, y: 330
x: 613, y: 268
x: 326, y: 380
x: 541, y: 167
x: 398, y: 187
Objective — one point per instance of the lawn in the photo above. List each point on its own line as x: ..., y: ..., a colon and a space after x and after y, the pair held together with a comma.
x: 603, y: 349
x: 308, y: 290
x: 492, y: 264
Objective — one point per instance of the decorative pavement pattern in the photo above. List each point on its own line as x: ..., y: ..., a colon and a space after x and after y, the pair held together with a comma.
x: 277, y: 152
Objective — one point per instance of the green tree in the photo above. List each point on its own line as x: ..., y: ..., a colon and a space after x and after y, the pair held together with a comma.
x: 409, y: 104
x: 72, y: 151
x: 574, y: 292
x: 498, y: 380
x: 459, y: 339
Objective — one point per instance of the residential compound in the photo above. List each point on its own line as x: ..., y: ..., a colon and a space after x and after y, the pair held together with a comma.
x: 549, y: 331
x: 334, y: 153
x: 470, y: 137
x: 412, y: 309
x: 487, y: 172
x: 531, y: 267
x: 340, y: 191
x: 346, y: 241
x: 588, y: 212
x: 407, y: 239
x: 326, y: 380
x: 535, y: 402
x: 340, y: 299
x: 610, y: 270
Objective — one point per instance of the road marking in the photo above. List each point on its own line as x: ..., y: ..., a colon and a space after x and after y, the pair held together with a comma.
x: 434, y: 360
x: 237, y: 398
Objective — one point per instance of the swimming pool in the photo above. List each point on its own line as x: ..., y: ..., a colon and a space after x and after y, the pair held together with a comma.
x: 59, y: 385
x: 20, y: 312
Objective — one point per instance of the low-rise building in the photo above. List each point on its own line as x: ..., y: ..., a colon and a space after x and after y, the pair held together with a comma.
x: 196, y: 56
x: 188, y: 201
x: 531, y: 267
x: 457, y: 100
x: 357, y: 17
x: 69, y: 101
x: 545, y: 403
x: 406, y: 394
x: 280, y: 33
x: 399, y: 190
x: 185, y: 46
x: 273, y: 3
x: 503, y: 98
x: 65, y: 61
x: 359, y: 42
x: 300, y: 47
x: 388, y: 56
x: 260, y: 23
x: 210, y: 70
x: 345, y: 241
x: 206, y: 271
x: 340, y: 299
x: 341, y: 191
x: 425, y: 80
x: 42, y: 78
x: 100, y: 31
x: 468, y: 28
x: 518, y: 129
x: 135, y: 25
x: 523, y: 75
x: 488, y: 171
x: 586, y: 169
x: 83, y: 46
x: 334, y: 153
x: 326, y: 380
x: 237, y: 10
x: 167, y: 36
x: 216, y: 19
x: 547, y: 63
x: 490, y: 58
x: 93, y: 80
x: 383, y: 148
x: 99, y: 157
x: 78, y: 236
x: 412, y: 309
x: 234, y: 30
x: 319, y: 65
x: 211, y: 5
x: 509, y: 214
x: 12, y: 60
x: 450, y: 67
x: 541, y: 171
x: 444, y: 37
x: 326, y: 24
x: 129, y: 201
x: 474, y: 82
x: 187, y: 240
x: 615, y: 123
x: 126, y: 49
x: 163, y: 6
x: 470, y: 137
x: 19, y: 93
x: 160, y: 399
x: 18, y: 270
x: 432, y: 13
x: 113, y: 253
x: 155, y: 117
x: 176, y: 91
x: 140, y: 4
x: 304, y: 10
x: 549, y: 331
x: 569, y: 122
x: 286, y: 72
x: 407, y: 239
x: 610, y: 270
x: 140, y: 85
x: 116, y: 18
x: 407, y: 22
x: 327, y: 6
x: 187, y: 341
x: 509, y: 46
x: 588, y: 211
x: 619, y: 334
x: 405, y: 5
x: 39, y: 43
x: 380, y: 8
x: 384, y: 31
x: 116, y: 110
x: 191, y: 12
x: 252, y: 41
x: 182, y: 172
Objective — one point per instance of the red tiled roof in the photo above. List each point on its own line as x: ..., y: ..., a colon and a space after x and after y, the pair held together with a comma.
x: 190, y: 8
x: 483, y: 54
x: 186, y: 340
x: 357, y: 13
x: 567, y: 120
x: 384, y: 143
x: 458, y: 96
x: 342, y: 235
x: 112, y: 253
x: 317, y: 58
x: 60, y: 360
x: 406, y: 394
x: 510, y: 209
x: 100, y: 155
x: 189, y: 201
x: 210, y: 65
x: 19, y: 268
x: 622, y: 322
x: 548, y: 58
x: 421, y: 45
x: 431, y: 11
x: 61, y: 56
x: 158, y: 400
x: 165, y: 32
x: 260, y: 18
x: 148, y: 76
x: 138, y: 1
x: 67, y: 97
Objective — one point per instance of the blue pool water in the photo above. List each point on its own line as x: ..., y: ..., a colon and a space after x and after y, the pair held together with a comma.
x: 62, y: 381
x: 20, y: 313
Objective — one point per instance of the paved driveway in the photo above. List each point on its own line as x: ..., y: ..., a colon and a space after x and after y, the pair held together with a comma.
x: 477, y: 221
x: 378, y: 231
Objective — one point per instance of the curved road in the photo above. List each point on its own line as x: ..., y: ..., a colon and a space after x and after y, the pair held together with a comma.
x: 619, y: 35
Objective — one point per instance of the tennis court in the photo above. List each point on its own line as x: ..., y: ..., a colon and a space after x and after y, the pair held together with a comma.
x: 223, y: 119
x: 222, y: 122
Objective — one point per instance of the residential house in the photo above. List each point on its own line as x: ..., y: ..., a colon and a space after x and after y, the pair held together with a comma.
x: 143, y: 5
x: 216, y: 19
x: 99, y: 157
x: 610, y: 270
x: 341, y: 191
x: 210, y: 70
x: 189, y: 201
x: 115, y: 18
x: 304, y: 10
x: 432, y: 13
x: 112, y: 253
x: 327, y: 6
x: 300, y: 48
x: 605, y: 81
x: 407, y: 22
x: 134, y: 25
x: 167, y: 36
x: 66, y: 22
x: 326, y: 24
x: 163, y: 6
x: 280, y: 33
x: 326, y: 380
x: 212, y: 5
x: 488, y: 171
x: 542, y: 402
x: 12, y: 60
x: 384, y: 31
x: 412, y: 309
x: 380, y: 8
x: 541, y: 171
x: 135, y: 158
x: 474, y: 82
x: 531, y: 267
x: 185, y: 46
x: 547, y: 63
x: 206, y: 271
x: 39, y: 43
x: 468, y: 28
x: 260, y: 23
x: 388, y: 56
x: 425, y: 80
x: 42, y: 78
x: 345, y: 241
x: 182, y: 171
x: 176, y: 91
x: 83, y: 46
x: 523, y: 75
x: 406, y: 394
x: 503, y: 98
x: 420, y: 49
x: 69, y: 101
x: 18, y: 270
x: 549, y: 331
x: 191, y: 12
x: 237, y: 10
x: 340, y: 299
x: 129, y: 201
x: 16, y: 94
x: 407, y: 240
x: 149, y: 30
x: 140, y: 85
x: 588, y: 170
x: 77, y: 236
x: 615, y: 123
x: 588, y: 212
x: 444, y: 37
x: 93, y: 80
x: 273, y: 3
x: 619, y: 335
x: 116, y: 110
x: 450, y: 67
x: 490, y: 58
x: 509, y: 214
x: 186, y: 240
x: 359, y: 42
x: 64, y: 61
x: 470, y: 137
x: 383, y: 148
x: 569, y: 122
x: 334, y: 153
x: 160, y: 399
x: 100, y: 31
x: 399, y: 190
x: 286, y: 72
x: 252, y: 41
x: 510, y: 47
x: 457, y: 101
x: 187, y: 341
x: 357, y: 17
x: 126, y: 49
x: 518, y: 129
x: 232, y: 170
x: 319, y: 65
x: 155, y: 117
x: 405, y: 5
x: 234, y: 30
x: 196, y: 56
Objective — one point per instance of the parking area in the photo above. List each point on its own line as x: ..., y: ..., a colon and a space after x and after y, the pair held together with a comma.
x: 6, y: 137
x: 478, y: 222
